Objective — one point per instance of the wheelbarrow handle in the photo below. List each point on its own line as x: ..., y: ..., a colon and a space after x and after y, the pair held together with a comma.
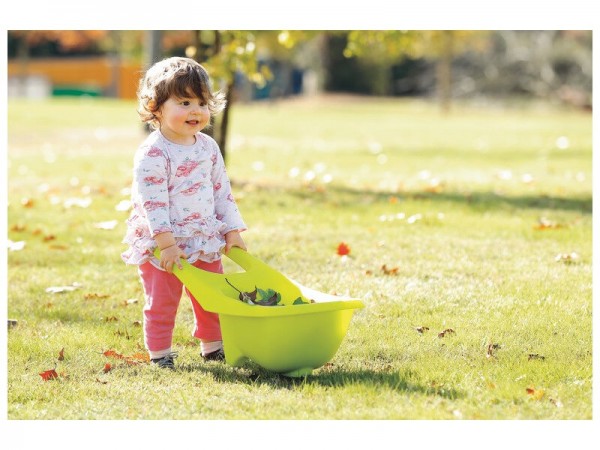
x: 242, y: 258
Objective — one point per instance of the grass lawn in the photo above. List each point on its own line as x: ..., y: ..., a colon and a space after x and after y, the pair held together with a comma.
x: 479, y: 222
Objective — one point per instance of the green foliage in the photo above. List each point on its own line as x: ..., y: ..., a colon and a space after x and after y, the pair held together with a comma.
x: 384, y: 48
x: 392, y: 45
x: 268, y: 297
x: 452, y: 208
x: 299, y: 301
x: 233, y: 51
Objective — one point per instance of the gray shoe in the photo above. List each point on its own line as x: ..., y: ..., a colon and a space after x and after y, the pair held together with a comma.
x: 166, y: 362
x: 217, y: 355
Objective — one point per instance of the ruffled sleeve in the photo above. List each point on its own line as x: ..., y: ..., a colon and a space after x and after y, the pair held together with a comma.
x: 151, y: 188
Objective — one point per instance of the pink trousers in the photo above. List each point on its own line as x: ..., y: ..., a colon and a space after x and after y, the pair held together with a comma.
x: 163, y: 292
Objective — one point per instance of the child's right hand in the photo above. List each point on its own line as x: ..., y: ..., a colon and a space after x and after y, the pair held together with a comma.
x: 171, y: 256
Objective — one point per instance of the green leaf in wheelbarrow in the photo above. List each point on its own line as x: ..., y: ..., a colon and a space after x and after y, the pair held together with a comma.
x: 263, y: 297
x: 268, y: 297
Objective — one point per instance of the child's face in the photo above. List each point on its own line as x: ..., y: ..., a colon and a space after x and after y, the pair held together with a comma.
x: 181, y: 118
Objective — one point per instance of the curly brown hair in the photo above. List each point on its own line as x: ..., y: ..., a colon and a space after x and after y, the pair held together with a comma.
x: 178, y: 77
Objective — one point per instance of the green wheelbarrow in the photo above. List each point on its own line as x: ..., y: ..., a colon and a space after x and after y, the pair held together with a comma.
x: 291, y: 339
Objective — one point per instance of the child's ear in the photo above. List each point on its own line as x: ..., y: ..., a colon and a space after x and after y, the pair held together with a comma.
x: 152, y: 105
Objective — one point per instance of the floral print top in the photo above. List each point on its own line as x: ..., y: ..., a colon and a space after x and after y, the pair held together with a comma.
x: 182, y: 189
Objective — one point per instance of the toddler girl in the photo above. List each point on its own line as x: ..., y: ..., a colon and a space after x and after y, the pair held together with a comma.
x: 182, y: 202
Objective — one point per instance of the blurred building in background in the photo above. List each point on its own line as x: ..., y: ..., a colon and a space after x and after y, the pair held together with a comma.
x: 44, y: 63
x: 263, y: 65
x: 91, y: 76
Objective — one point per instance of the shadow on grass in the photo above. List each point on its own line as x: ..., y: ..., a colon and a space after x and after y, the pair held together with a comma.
x: 478, y: 200
x: 252, y: 374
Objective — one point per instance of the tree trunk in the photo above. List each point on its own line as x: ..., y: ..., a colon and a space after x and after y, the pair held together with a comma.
x: 153, y: 55
x: 444, y: 71
x: 201, y: 56
x: 153, y: 47
x: 115, y: 65
x: 225, y: 119
x: 23, y: 55
x: 218, y: 128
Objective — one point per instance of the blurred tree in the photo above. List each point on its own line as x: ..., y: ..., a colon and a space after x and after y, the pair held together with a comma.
x: 153, y: 47
x: 549, y: 64
x: 225, y: 54
x: 351, y: 74
x: 55, y: 42
x: 442, y: 45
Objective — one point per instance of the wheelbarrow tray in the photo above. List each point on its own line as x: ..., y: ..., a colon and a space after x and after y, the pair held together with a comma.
x: 292, y: 339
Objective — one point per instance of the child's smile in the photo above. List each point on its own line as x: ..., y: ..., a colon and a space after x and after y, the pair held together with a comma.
x: 181, y: 118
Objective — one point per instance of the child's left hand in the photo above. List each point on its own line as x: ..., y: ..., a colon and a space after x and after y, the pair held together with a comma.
x: 234, y: 239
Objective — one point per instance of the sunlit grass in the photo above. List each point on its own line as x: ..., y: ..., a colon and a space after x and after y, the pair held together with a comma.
x: 453, y: 206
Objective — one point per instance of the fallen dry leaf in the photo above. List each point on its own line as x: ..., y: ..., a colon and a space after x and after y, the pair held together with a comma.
x: 61, y: 354
x: 134, y: 359
x: 567, y: 258
x: 445, y: 332
x: 435, y: 186
x: 27, y: 202
x: 490, y: 350
x: 535, y: 356
x: 141, y: 356
x: 545, y: 224
x: 389, y: 270
x: 93, y: 295
x: 134, y: 362
x: 112, y: 354
x: 100, y: 381
x: 422, y: 330
x: 535, y: 394
x: 58, y: 247
x: 107, y: 368
x: 49, y: 375
x: 343, y: 249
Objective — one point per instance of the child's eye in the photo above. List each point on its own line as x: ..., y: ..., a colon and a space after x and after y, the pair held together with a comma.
x: 186, y: 103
